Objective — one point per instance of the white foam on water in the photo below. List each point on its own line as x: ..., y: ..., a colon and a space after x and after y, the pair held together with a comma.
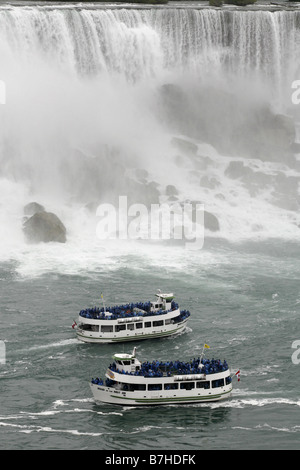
x: 57, y: 344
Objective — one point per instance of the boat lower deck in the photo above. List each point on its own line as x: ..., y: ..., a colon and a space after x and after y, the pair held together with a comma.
x: 130, y: 332
x: 126, y: 398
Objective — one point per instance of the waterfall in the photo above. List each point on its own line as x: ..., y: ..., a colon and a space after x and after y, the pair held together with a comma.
x: 94, y: 93
x: 142, y: 43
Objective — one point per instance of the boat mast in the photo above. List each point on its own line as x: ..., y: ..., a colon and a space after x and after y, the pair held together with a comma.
x: 205, y: 346
x: 103, y: 302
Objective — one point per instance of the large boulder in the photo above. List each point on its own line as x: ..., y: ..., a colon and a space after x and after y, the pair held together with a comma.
x: 32, y: 207
x: 211, y: 222
x: 44, y: 227
x: 276, y: 134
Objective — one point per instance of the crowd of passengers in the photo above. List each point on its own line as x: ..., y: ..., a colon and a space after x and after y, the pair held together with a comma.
x: 122, y: 311
x: 160, y: 369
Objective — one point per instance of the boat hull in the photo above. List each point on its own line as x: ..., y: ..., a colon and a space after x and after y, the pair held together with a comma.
x: 116, y: 337
x: 104, y: 394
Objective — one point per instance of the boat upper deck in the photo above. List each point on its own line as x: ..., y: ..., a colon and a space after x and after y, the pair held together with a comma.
x: 173, y: 368
x: 139, y: 309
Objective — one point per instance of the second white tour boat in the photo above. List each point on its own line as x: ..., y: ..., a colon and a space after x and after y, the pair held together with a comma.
x: 130, y: 382
x: 132, y: 321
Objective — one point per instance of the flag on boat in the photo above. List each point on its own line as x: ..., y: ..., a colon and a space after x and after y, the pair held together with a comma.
x: 206, y: 346
x: 101, y: 295
x: 74, y: 324
x: 238, y: 373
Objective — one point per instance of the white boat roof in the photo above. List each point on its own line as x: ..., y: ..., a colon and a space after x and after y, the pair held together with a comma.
x: 165, y: 296
x: 123, y: 356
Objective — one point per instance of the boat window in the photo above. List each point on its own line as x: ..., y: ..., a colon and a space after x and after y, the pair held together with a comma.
x: 106, y: 328
x: 87, y: 327
x: 217, y: 383
x: 147, y: 324
x: 120, y: 328
x: 133, y: 387
x: 168, y: 321
x: 158, y: 323
x: 187, y: 385
x: 130, y: 326
x: 203, y: 384
x: 171, y: 386
x: 126, y: 363
x: 139, y: 325
x: 154, y: 386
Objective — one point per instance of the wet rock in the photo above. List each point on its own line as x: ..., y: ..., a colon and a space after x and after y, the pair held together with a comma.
x: 44, y: 227
x: 288, y: 203
x: 146, y: 193
x: 277, y: 133
x: 211, y: 222
x: 202, y: 162
x: 171, y: 190
x: 184, y: 145
x: 253, y: 180
x: 141, y: 174
x: 235, y: 170
x: 32, y: 208
x: 209, y: 114
x: 209, y: 182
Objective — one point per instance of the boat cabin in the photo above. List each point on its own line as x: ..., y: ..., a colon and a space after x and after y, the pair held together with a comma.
x: 127, y: 362
x: 163, y: 302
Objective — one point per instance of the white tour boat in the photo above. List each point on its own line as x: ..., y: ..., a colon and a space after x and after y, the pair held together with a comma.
x: 130, y: 382
x: 130, y: 322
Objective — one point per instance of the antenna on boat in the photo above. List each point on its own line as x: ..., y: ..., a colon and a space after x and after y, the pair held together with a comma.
x: 103, y: 302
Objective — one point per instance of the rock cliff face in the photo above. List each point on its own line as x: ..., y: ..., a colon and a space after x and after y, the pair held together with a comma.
x: 42, y: 226
x: 211, y: 115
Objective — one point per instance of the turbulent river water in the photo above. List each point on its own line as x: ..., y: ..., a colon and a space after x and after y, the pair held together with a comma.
x: 179, y: 103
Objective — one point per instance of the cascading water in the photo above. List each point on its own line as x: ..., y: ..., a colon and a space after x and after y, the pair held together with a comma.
x: 190, y: 95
